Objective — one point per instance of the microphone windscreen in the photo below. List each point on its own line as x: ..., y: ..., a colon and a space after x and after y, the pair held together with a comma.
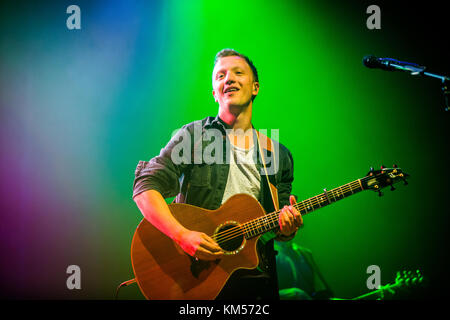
x: 371, y: 62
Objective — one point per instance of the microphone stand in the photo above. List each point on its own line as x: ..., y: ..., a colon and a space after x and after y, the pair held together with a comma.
x: 444, y: 86
x: 419, y: 70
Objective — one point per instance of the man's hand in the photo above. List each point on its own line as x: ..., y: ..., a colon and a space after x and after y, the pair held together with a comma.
x: 290, y: 219
x: 199, y: 245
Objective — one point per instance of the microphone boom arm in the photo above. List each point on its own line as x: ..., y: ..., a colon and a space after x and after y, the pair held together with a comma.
x: 413, y: 68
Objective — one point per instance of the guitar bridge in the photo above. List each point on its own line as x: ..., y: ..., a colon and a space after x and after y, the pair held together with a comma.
x: 198, y: 266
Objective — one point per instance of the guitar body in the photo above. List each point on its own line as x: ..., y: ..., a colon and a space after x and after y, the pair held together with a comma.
x: 164, y: 271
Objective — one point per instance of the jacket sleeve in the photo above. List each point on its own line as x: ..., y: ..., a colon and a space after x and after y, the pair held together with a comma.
x: 285, y: 187
x: 287, y: 177
x: 163, y: 172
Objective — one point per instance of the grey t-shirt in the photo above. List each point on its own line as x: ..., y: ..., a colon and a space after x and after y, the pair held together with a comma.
x: 243, y: 176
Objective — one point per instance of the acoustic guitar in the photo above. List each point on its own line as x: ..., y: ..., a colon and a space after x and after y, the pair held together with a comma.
x: 164, y: 271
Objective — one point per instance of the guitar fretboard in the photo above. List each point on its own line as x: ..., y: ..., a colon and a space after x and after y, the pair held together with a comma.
x: 269, y: 221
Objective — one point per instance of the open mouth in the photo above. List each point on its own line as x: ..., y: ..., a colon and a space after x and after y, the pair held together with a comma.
x: 231, y: 90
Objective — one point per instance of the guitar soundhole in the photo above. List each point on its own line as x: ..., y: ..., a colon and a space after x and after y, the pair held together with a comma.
x: 230, y: 237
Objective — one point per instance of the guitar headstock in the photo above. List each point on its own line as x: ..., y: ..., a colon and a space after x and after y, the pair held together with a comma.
x: 404, y: 280
x: 379, y: 179
x: 408, y: 278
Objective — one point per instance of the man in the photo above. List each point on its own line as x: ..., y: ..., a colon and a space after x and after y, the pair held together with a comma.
x: 235, y: 86
x: 299, y: 277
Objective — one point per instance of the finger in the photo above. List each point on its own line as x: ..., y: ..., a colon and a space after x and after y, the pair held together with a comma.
x: 282, y: 219
x: 209, y: 239
x: 292, y: 200
x: 292, y: 215
x: 286, y: 218
x: 210, y: 244
x: 209, y: 249
x: 301, y: 219
x: 204, y: 254
x: 296, y: 216
x: 298, y: 219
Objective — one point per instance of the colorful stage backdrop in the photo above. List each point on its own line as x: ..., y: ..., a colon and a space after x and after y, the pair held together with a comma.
x: 81, y: 107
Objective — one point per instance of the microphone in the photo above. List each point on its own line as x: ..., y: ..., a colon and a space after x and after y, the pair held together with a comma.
x: 389, y: 64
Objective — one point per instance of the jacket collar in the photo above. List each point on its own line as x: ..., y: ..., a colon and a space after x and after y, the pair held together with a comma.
x: 216, y: 122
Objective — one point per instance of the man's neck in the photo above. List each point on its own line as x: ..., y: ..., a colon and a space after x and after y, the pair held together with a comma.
x: 237, y: 117
x: 240, y: 122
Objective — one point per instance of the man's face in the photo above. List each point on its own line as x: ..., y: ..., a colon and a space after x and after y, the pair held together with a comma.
x: 233, y: 82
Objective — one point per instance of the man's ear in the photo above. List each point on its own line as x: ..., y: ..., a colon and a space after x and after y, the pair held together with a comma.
x: 255, y: 88
x: 214, y: 95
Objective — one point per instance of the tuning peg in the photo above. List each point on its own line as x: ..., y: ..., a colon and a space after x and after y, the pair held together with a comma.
x: 382, y: 167
x: 377, y: 189
x: 394, y: 166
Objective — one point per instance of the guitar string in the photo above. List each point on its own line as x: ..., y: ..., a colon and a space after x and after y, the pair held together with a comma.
x: 272, y: 217
x: 255, y: 224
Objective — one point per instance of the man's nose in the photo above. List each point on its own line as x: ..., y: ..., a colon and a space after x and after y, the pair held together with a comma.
x: 229, y: 79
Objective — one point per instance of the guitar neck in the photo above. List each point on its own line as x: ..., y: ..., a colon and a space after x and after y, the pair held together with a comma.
x: 269, y: 221
x: 329, y: 197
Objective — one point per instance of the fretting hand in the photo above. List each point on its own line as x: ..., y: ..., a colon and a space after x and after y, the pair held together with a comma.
x: 290, y: 219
